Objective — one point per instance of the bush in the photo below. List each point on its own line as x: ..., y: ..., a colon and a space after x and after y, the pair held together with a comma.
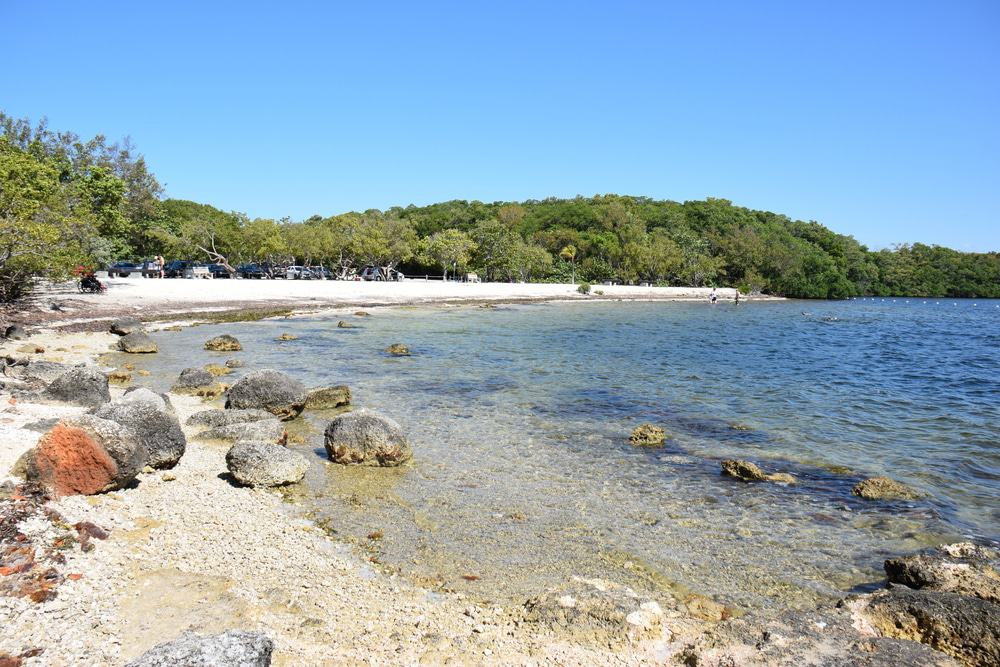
x: 583, y: 288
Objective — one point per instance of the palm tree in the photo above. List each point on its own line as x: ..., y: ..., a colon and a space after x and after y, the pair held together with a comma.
x: 569, y: 254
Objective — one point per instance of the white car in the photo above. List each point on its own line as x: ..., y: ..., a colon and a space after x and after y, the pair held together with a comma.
x: 295, y: 273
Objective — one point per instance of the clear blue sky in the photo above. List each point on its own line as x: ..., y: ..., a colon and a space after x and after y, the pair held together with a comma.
x: 878, y: 119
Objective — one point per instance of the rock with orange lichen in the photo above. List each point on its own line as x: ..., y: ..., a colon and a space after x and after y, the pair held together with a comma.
x: 85, y: 455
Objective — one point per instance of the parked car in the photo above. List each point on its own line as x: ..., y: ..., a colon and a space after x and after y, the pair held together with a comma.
x: 251, y: 271
x: 176, y: 268
x: 218, y: 271
x: 380, y: 273
x: 321, y: 273
x: 150, y: 269
x: 297, y: 273
x: 123, y: 269
x: 197, y: 271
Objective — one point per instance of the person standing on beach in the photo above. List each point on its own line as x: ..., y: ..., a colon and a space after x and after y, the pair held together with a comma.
x: 737, y: 301
x: 159, y: 265
x: 713, y: 297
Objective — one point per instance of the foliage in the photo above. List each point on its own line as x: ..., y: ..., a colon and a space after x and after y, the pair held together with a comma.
x: 583, y: 288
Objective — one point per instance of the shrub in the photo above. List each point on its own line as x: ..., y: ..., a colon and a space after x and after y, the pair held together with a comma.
x: 583, y: 288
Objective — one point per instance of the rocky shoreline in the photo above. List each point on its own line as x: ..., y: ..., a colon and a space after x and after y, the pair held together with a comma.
x: 185, y: 531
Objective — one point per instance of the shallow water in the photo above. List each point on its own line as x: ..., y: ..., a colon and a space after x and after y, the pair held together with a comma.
x: 523, y: 475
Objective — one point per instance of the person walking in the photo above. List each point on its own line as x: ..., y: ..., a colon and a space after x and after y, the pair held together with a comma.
x: 159, y: 265
x: 713, y: 297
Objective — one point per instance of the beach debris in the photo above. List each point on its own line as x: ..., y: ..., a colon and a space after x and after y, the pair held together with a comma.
x: 398, y: 350
x: 648, y: 435
x: 367, y: 438
x: 85, y: 455
x: 596, y: 611
x: 883, y: 488
x: 234, y: 363
x: 223, y: 343
x: 158, y: 430
x: 270, y: 390
x: 750, y: 472
x: 125, y: 326
x: 137, y: 343
x: 213, y: 418
x: 233, y: 648
x: 964, y: 568
x: 265, y: 430
x: 287, y: 336
x: 256, y: 463
x: 85, y: 385
x: 119, y: 377
x: 966, y: 628
x: 329, y: 397
x: 342, y: 324
x: 217, y: 370
x: 15, y: 332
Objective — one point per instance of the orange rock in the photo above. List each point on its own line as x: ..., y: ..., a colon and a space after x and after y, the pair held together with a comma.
x: 69, y: 461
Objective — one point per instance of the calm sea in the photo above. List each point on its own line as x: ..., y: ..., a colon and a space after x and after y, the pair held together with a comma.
x: 519, y: 417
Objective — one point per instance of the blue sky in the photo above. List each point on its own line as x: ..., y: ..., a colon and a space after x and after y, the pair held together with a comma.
x: 878, y: 119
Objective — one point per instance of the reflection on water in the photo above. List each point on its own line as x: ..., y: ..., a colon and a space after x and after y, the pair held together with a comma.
x: 523, y: 475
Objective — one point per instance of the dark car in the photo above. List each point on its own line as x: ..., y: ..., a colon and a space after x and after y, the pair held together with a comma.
x: 123, y: 269
x: 150, y: 269
x: 251, y: 271
x: 380, y: 273
x: 218, y: 271
x: 175, y: 269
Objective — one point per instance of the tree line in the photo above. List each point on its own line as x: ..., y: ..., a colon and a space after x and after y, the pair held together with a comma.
x: 65, y: 201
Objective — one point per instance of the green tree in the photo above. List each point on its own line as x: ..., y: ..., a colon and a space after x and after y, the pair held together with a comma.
x: 450, y: 248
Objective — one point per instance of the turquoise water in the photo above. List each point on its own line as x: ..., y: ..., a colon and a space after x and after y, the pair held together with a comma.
x: 523, y: 475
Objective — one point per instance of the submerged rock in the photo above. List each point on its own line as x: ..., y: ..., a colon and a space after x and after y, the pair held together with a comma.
x: 234, y: 648
x: 342, y: 324
x: 213, y: 418
x: 962, y: 568
x: 966, y: 628
x: 255, y: 463
x: 158, y: 430
x: 883, y: 488
x: 749, y: 472
x: 398, y: 350
x: 85, y: 385
x: 597, y: 611
x: 367, y: 438
x: 119, y: 377
x: 216, y: 370
x: 137, y: 343
x: 223, y: 343
x: 329, y: 398
x: 234, y: 363
x: 125, y: 326
x: 287, y: 336
x: 269, y: 390
x: 648, y: 435
x: 362, y: 313
x: 85, y: 455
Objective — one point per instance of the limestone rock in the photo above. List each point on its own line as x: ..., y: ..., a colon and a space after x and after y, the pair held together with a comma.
x: 966, y: 628
x: 749, y: 472
x: 86, y: 455
x: 126, y: 325
x: 84, y: 385
x: 158, y: 430
x: 137, y: 343
x: 15, y: 332
x: 362, y: 313
x: 214, y: 418
x: 119, y: 377
x: 962, y: 568
x: 255, y: 463
x: 223, y: 343
x: 265, y: 430
x: 191, y: 379
x: 217, y: 371
x: 329, y: 397
x: 883, y: 488
x: 234, y: 363
x: 146, y: 395
x: 287, y: 336
x: 398, y: 350
x: 367, y: 438
x: 234, y: 648
x: 269, y: 390
x: 648, y: 435
x: 342, y: 324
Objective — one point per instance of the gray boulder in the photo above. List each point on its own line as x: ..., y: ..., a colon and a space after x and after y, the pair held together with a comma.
x: 255, y: 463
x: 34, y: 373
x: 214, y: 418
x: 329, y: 397
x: 234, y: 648
x: 193, y: 378
x: 223, y: 343
x: 367, y: 438
x: 966, y: 628
x: 963, y: 568
x: 15, y: 332
x: 884, y: 488
x: 265, y: 430
x: 85, y: 385
x: 85, y: 455
x: 158, y: 430
x: 144, y: 394
x: 137, y: 343
x: 269, y: 390
x: 124, y: 326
